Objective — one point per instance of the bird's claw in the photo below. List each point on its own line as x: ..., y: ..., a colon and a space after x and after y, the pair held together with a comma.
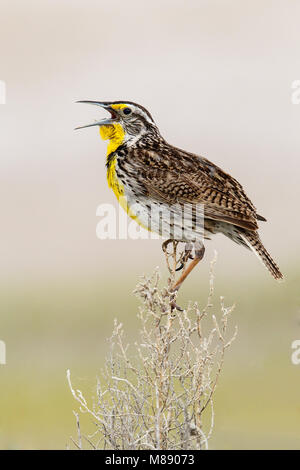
x: 174, y: 306
x: 180, y: 267
x: 165, y: 245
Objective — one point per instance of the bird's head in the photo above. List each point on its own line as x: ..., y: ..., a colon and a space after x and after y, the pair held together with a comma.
x: 127, y: 123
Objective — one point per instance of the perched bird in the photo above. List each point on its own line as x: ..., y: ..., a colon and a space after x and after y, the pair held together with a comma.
x: 145, y: 171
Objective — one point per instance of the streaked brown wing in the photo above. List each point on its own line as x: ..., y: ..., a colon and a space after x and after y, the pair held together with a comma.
x: 172, y: 176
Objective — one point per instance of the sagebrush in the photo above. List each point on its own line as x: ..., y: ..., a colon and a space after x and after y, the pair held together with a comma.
x: 158, y: 393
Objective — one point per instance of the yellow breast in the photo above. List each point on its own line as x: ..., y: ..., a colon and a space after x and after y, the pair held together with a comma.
x: 115, y: 134
x: 112, y: 179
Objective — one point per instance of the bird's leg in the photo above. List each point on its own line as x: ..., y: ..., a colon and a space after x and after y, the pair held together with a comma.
x: 199, y: 253
x: 172, y: 269
x: 186, y: 255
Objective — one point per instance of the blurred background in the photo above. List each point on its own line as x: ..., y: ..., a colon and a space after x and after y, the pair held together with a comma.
x: 216, y: 76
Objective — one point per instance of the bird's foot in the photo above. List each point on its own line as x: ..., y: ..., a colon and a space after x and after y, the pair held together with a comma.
x: 186, y: 255
x: 174, y: 306
x: 199, y: 250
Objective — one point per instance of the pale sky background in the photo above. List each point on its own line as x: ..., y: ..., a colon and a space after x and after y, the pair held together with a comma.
x: 216, y: 76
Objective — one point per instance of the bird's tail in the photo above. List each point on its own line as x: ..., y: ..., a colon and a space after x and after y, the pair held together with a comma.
x: 254, y: 243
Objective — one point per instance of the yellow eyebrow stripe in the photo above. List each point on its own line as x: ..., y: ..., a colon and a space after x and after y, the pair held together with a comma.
x: 119, y: 106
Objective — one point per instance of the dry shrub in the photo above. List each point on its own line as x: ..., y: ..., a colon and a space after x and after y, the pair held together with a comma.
x: 158, y: 394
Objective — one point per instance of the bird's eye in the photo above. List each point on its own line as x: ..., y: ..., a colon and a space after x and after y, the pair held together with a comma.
x: 126, y: 111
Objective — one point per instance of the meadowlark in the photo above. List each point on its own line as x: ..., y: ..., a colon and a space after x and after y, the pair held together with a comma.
x: 143, y: 171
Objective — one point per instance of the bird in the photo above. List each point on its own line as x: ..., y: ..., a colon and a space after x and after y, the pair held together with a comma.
x: 156, y: 183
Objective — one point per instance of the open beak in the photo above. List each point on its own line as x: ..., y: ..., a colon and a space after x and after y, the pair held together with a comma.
x: 103, y: 122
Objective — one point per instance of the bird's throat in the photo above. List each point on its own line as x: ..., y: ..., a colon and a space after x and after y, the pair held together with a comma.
x: 115, y: 134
